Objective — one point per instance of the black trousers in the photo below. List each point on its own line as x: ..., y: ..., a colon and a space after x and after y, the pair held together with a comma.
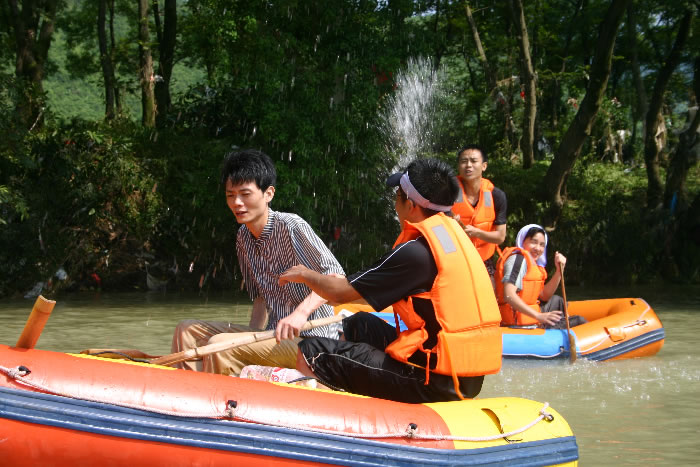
x: 360, y: 365
x: 555, y: 303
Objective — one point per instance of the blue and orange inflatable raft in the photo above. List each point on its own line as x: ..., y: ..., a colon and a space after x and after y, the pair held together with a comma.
x: 617, y: 328
x: 66, y: 409
x: 73, y: 409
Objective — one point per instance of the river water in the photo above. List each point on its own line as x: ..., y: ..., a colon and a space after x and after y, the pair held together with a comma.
x: 633, y: 412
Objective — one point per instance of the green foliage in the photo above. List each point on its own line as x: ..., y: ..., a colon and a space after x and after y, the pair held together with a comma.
x: 305, y: 82
x: 607, y: 233
x: 86, y: 193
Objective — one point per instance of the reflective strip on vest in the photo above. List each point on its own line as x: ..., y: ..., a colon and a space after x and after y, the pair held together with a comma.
x: 443, y: 237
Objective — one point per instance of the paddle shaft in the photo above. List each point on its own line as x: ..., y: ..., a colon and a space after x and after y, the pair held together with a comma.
x: 572, y: 339
x: 237, y: 340
x: 35, y: 323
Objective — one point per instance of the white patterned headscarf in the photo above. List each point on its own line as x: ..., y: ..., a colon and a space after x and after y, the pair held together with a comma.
x: 542, y: 260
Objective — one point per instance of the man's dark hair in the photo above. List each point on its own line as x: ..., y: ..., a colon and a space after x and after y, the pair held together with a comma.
x: 534, y: 231
x: 249, y: 165
x: 484, y: 156
x: 435, y: 180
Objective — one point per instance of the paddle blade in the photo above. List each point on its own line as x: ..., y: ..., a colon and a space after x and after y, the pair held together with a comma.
x: 572, y: 347
x: 118, y: 353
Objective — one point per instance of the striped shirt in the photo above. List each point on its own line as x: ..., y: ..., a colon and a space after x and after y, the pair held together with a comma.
x: 286, y: 240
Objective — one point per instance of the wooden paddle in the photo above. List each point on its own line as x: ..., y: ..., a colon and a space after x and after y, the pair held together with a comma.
x: 572, y: 339
x: 237, y: 339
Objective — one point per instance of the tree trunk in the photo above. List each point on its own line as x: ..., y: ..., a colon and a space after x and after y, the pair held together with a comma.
x: 530, y: 86
x: 502, y: 103
x: 683, y: 158
x: 680, y: 221
x: 105, y: 60
x: 652, y: 148
x: 148, y: 111
x: 556, y: 84
x: 167, y: 41
x: 156, y: 20
x: 477, y: 107
x: 640, y: 108
x: 33, y: 29
x: 568, y: 151
x: 112, y: 51
x: 438, y: 46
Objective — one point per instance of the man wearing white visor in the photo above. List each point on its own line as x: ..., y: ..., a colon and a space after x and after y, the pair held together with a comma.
x: 437, y: 284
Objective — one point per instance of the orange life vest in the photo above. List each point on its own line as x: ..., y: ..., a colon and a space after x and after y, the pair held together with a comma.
x: 533, y: 284
x: 469, y: 343
x: 481, y: 216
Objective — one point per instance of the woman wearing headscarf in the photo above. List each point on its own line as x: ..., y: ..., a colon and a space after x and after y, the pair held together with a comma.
x: 525, y: 297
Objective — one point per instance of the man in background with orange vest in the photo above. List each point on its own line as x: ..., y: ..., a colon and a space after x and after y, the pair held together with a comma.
x: 481, y: 207
x: 437, y: 284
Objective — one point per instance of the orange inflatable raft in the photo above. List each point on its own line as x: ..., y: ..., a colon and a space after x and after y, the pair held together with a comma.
x: 65, y: 410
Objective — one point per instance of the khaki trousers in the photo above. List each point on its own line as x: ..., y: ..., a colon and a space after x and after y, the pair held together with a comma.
x: 193, y: 333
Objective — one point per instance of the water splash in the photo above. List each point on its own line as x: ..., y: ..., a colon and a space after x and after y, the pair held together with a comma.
x: 410, y: 119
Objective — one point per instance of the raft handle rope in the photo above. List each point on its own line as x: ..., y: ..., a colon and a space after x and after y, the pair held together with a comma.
x: 639, y: 322
x: 19, y: 375
x: 411, y: 431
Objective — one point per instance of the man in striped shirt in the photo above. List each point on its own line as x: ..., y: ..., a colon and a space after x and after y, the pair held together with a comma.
x: 268, y: 243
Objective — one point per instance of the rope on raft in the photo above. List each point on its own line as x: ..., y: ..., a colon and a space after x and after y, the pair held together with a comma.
x: 20, y: 373
x: 411, y: 430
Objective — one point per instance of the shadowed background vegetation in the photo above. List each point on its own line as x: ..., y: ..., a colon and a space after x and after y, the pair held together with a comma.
x: 116, y: 115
